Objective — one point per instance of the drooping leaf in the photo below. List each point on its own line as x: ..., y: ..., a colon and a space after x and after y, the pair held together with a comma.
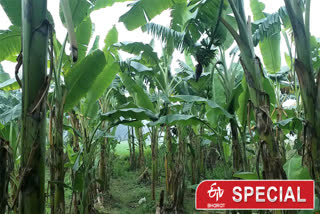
x: 10, y: 114
x: 106, y: 77
x: 129, y: 113
x: 80, y: 78
x: 147, y: 54
x: 100, y: 85
x: 269, y: 89
x: 111, y: 38
x: 179, y: 119
x: 180, y: 14
x: 295, y: 170
x: 290, y: 123
x: 243, y: 102
x: 288, y: 60
x: 95, y: 44
x: 142, y: 11
x: 270, y: 45
x: 3, y: 75
x: 246, y: 175
x: 10, y: 42
x: 83, y: 35
x: 166, y: 34
x: 99, y: 4
x: 229, y: 40
x: 13, y: 10
x: 9, y: 85
x: 218, y: 91
x: 200, y: 100
x: 226, y: 150
x: 139, y: 67
x: 269, y: 25
x: 136, y: 91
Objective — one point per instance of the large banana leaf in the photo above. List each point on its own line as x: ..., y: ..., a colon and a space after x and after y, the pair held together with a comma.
x: 105, y: 3
x: 80, y: 78
x: 201, y: 100
x: 180, y: 14
x: 136, y: 91
x: 106, y: 77
x: 95, y: 44
x: 3, y: 75
x: 10, y: 42
x: 270, y: 25
x: 218, y: 91
x: 10, y: 106
x: 208, y: 13
x: 129, y: 113
x: 291, y: 123
x: 270, y: 46
x: 11, y: 114
x: 142, y: 11
x: 83, y: 36
x: 13, y: 10
x: 111, y: 38
x: 229, y: 39
x: 243, y: 101
x: 139, y: 67
x: 179, y: 119
x: 149, y: 57
x: 295, y: 170
x: 100, y: 85
x: 9, y: 85
x: 165, y: 34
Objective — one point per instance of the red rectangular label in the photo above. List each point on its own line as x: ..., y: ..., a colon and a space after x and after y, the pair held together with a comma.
x: 255, y: 194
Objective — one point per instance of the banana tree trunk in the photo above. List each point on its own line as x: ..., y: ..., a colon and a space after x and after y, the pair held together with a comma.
x: 280, y: 139
x: 195, y: 157
x: 59, y: 200
x: 6, y: 166
x: 51, y: 159
x: 179, y: 174
x: 268, y: 146
x: 34, y: 84
x: 202, y: 150
x: 169, y: 164
x: 105, y: 166
x: 237, y: 161
x: 102, y: 165
x: 109, y: 164
x: 132, y: 148
x: 75, y: 124
x: 154, y: 154
x: 141, y: 158
x: 74, y: 205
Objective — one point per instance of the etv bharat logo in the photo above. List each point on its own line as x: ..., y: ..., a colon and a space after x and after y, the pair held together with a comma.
x: 215, y: 192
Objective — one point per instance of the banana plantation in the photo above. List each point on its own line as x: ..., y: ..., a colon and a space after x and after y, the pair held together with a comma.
x: 92, y: 124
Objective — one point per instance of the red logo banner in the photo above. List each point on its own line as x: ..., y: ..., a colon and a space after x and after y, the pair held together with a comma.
x: 255, y: 194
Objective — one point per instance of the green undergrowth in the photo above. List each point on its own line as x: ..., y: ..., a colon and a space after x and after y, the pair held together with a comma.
x: 126, y: 191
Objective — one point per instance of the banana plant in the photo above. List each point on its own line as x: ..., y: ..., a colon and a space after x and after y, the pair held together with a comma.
x: 230, y: 78
x: 308, y: 86
x: 252, y: 66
